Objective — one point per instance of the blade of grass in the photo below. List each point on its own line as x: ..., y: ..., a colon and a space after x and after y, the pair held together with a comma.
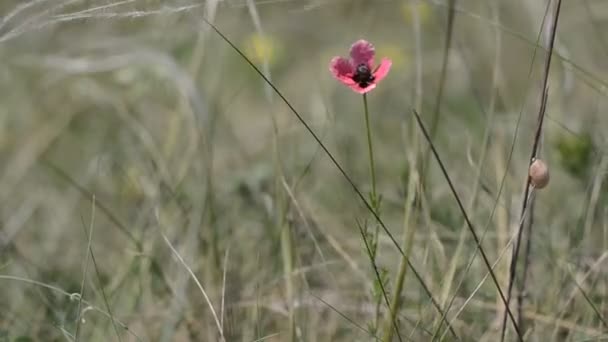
x: 442, y: 80
x: 482, y: 281
x: 590, y: 78
x: 87, y: 194
x: 596, y: 26
x: 222, y: 306
x: 521, y: 294
x: 287, y: 256
x: 267, y: 337
x: 18, y: 9
x: 70, y: 295
x: 348, y: 319
x: 372, y: 260
x: 85, y: 269
x: 198, y: 284
x: 103, y: 292
x: 597, y: 312
x: 466, y: 218
x: 495, y: 9
x: 409, y: 233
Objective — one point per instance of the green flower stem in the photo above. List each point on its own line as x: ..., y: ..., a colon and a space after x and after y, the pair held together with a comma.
x: 373, y: 201
x: 372, y: 169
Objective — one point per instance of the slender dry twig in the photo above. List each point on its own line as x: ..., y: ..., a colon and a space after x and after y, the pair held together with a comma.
x: 466, y: 218
x: 222, y: 305
x: 470, y: 297
x: 477, y: 183
x: 88, y: 195
x: 439, y: 98
x: 103, y: 292
x: 198, y: 284
x: 90, y: 306
x: 84, y: 272
x: 521, y: 294
x: 372, y: 260
x: 589, y: 301
x: 537, y: 138
x: 348, y: 319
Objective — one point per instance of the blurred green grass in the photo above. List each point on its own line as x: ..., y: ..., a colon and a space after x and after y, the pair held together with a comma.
x: 140, y: 104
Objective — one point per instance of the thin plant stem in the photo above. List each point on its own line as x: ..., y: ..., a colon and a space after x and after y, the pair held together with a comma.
x: 535, y: 145
x: 84, y: 273
x: 442, y: 80
x: 522, y: 291
x: 373, y: 201
x: 345, y: 317
x: 198, y: 283
x: 468, y: 221
x: 597, y: 312
x: 103, y: 292
x: 485, y: 145
x: 378, y: 279
x: 409, y: 235
x: 370, y: 150
x: 287, y: 255
x: 372, y: 174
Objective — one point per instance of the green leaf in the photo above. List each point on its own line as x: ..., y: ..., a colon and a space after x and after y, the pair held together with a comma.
x: 575, y: 153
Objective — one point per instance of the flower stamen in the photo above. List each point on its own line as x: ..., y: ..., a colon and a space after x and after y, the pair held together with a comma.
x: 363, y: 75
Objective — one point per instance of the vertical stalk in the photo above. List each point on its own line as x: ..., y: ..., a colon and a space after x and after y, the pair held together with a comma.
x: 372, y: 172
x: 374, y: 203
x: 409, y: 235
x: 537, y: 140
x: 287, y: 251
x: 284, y: 228
x: 372, y: 169
x: 410, y: 215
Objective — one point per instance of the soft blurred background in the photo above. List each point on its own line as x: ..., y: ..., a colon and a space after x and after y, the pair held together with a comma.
x: 131, y: 133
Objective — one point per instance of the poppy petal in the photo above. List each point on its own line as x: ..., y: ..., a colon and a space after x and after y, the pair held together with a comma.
x: 361, y: 52
x: 382, y: 70
x: 362, y: 90
x: 342, y: 70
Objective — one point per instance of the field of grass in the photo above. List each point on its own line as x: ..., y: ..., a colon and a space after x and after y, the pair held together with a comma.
x: 189, y: 170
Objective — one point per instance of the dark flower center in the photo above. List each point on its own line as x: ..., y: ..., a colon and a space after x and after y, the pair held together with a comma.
x: 363, y: 75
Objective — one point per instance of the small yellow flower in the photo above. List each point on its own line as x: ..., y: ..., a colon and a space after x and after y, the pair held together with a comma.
x: 413, y: 7
x: 131, y: 184
x: 261, y: 48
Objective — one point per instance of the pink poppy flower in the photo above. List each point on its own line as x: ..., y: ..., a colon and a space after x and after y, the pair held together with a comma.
x: 358, y: 72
